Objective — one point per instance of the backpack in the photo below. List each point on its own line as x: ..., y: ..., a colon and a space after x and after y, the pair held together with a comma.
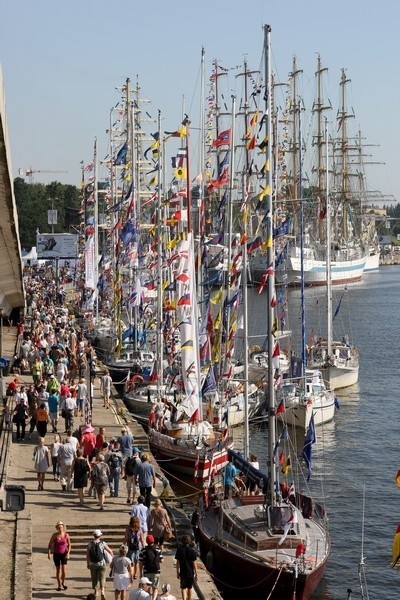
x: 151, y: 560
x: 131, y: 466
x: 133, y: 542
x: 114, y: 461
x: 100, y: 476
x: 97, y: 553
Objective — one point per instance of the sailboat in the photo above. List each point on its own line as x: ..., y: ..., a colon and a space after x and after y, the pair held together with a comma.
x: 275, y: 544
x: 337, y: 359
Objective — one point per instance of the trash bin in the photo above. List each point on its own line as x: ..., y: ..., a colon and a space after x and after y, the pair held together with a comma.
x: 5, y: 366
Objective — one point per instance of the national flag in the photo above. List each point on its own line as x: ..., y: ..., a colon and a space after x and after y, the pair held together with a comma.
x: 307, y: 448
x: 281, y: 407
x: 396, y: 549
x: 254, y: 244
x: 222, y: 180
x: 293, y: 519
x: 184, y: 300
x: 223, y: 139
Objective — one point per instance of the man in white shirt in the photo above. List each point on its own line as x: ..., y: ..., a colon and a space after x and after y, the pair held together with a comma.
x: 142, y: 592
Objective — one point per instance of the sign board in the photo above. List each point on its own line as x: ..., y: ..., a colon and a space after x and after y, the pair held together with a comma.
x: 385, y: 240
x: 57, y: 245
x: 52, y: 217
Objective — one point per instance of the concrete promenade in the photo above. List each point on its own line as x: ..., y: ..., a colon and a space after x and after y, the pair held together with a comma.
x: 34, y: 573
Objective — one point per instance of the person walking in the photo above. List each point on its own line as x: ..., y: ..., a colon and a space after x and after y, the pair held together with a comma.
x: 186, y: 566
x: 135, y: 540
x: 81, y: 396
x: 66, y: 455
x: 146, y: 478
x: 105, y: 389
x: 42, y: 461
x: 54, y: 404
x: 19, y: 418
x: 131, y: 471
x: 121, y: 567
x: 150, y: 560
x: 96, y: 562
x: 229, y: 479
x: 114, y: 460
x: 159, y: 523
x: 54, y: 448
x: 60, y: 547
x: 140, y: 510
x: 88, y: 441
x: 125, y: 441
x: 100, y: 478
x: 42, y: 418
x: 80, y: 469
x: 142, y: 592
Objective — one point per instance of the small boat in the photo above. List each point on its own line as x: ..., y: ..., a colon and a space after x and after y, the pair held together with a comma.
x: 130, y: 362
x: 303, y: 398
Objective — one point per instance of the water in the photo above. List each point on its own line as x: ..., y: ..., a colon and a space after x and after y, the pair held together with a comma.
x: 361, y: 446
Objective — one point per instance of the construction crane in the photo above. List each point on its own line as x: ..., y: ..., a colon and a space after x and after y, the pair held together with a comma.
x: 29, y: 172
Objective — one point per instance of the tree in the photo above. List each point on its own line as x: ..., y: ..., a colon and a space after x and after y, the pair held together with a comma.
x: 33, y: 200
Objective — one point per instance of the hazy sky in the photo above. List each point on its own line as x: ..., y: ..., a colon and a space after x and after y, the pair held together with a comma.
x: 63, y: 60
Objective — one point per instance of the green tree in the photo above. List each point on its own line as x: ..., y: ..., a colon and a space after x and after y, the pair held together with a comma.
x: 35, y: 199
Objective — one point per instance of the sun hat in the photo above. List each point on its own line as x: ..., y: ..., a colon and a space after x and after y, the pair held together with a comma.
x: 145, y: 580
x: 97, y: 533
x: 59, y: 523
x: 150, y: 539
x: 88, y: 428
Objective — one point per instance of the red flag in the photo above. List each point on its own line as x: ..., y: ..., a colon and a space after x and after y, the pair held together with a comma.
x: 184, y: 300
x: 281, y: 407
x: 224, y: 139
x: 195, y: 417
x: 300, y: 549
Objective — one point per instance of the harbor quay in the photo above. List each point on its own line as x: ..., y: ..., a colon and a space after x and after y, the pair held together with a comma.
x: 27, y: 572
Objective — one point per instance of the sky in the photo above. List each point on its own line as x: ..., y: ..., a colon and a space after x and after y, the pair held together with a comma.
x: 62, y: 62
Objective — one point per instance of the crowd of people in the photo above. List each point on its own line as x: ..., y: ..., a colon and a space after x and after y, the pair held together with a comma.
x: 62, y: 364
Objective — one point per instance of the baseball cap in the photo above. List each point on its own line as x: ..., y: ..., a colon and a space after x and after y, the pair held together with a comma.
x: 145, y: 580
x: 150, y: 539
x: 135, y: 450
x: 97, y: 533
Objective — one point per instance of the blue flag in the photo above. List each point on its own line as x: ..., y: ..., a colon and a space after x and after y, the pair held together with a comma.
x: 307, y: 448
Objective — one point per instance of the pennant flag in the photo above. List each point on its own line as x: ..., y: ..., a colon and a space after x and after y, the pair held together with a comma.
x: 269, y: 271
x: 251, y: 144
x: 253, y: 245
x: 188, y: 345
x: 281, y: 407
x: 284, y: 435
x: 287, y: 466
x: 264, y: 144
x: 180, y: 132
x: 276, y: 356
x: 121, y: 155
x: 307, y: 448
x: 224, y: 139
x: 293, y: 519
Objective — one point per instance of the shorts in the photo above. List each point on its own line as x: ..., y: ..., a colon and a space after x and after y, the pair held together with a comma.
x: 133, y: 555
x: 54, y: 416
x: 98, y: 574
x: 60, y: 559
x: 186, y: 583
x: 154, y: 578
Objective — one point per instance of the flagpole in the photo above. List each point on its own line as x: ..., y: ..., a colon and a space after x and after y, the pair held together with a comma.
x: 160, y: 349
x: 96, y: 230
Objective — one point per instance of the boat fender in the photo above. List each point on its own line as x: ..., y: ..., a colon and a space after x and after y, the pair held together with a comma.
x: 210, y: 560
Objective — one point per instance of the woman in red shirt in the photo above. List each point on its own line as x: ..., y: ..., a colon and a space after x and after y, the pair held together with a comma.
x: 88, y: 441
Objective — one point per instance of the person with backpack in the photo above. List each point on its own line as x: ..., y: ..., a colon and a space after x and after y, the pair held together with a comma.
x: 135, y: 540
x: 19, y: 418
x: 100, y: 476
x: 96, y: 561
x: 114, y: 460
x: 150, y: 560
x: 131, y: 471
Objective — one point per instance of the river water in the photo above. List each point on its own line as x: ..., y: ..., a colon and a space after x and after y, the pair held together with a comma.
x: 360, y: 447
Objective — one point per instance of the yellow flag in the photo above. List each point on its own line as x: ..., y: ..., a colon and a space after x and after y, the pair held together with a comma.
x: 216, y: 298
x: 264, y: 192
x: 181, y: 173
